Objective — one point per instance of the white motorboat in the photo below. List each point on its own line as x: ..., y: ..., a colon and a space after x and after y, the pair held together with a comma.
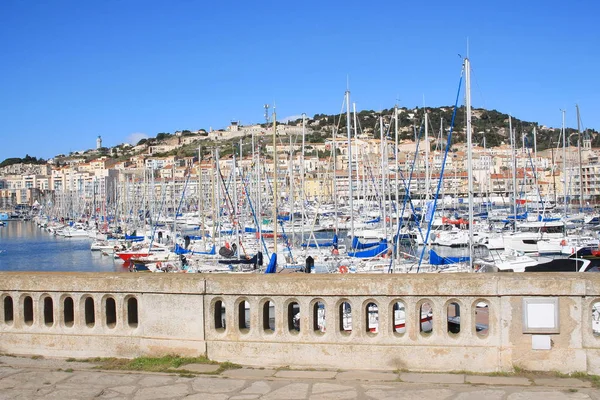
x: 530, y: 233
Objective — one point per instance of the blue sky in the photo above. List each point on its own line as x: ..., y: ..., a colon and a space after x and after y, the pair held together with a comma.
x: 73, y: 70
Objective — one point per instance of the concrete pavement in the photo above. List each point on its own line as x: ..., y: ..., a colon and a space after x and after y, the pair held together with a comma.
x: 27, y: 378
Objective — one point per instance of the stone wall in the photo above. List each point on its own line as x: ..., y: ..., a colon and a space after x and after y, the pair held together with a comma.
x: 301, y: 320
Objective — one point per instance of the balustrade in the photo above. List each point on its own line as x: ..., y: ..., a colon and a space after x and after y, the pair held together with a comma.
x: 426, y: 322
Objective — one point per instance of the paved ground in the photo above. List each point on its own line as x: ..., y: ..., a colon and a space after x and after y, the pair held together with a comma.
x: 25, y: 378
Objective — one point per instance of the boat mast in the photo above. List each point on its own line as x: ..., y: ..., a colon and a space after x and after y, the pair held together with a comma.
x: 358, y: 181
x: 514, y: 162
x: 565, y: 173
x: 302, y: 194
x: 333, y: 194
x: 581, y: 181
x: 534, y: 150
x: 398, y: 216
x: 350, y: 191
x: 217, y: 221
x: 427, y: 183
x: 441, y: 141
x: 259, y: 186
x: 242, y: 221
x: 235, y: 222
x: 201, y: 197
x: 275, y: 195
x: 291, y: 191
x: 469, y: 155
x: 382, y: 149
x: 251, y: 174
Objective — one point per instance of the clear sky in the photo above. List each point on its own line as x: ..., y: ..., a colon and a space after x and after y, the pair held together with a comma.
x: 73, y: 70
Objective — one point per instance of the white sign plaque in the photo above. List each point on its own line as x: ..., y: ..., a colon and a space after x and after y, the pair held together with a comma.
x: 540, y: 315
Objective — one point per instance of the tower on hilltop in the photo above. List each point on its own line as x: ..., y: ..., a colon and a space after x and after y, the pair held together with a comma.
x: 98, y: 142
x: 587, y: 141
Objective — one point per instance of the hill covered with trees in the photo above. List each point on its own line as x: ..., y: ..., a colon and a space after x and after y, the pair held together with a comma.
x: 25, y: 160
x: 490, y: 127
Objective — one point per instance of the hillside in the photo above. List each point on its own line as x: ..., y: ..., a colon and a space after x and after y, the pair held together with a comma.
x: 489, y: 127
x: 489, y: 124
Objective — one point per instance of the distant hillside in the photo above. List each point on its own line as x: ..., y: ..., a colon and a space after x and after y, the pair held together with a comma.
x: 489, y: 124
x: 25, y: 160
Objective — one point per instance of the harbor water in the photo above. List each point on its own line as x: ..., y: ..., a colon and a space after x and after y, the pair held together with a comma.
x: 26, y: 247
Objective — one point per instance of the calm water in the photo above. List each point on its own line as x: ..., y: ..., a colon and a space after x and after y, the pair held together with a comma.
x: 26, y: 247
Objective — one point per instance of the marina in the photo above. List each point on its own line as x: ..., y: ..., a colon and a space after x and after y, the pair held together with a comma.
x: 249, y: 209
x: 260, y: 217
x: 302, y: 200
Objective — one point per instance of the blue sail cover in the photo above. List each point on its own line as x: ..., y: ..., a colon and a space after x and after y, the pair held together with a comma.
x: 250, y: 229
x: 520, y: 217
x: 198, y: 237
x: 373, y: 252
x: 181, y: 250
x: 436, y: 259
x: 334, y: 242
x: 134, y: 238
x: 358, y: 245
x: 542, y: 218
x: 272, y: 267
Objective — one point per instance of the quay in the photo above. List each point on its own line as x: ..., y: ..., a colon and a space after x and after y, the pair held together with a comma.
x: 531, y: 321
x: 39, y: 378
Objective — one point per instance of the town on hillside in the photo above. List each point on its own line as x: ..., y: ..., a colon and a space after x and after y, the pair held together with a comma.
x: 409, y: 151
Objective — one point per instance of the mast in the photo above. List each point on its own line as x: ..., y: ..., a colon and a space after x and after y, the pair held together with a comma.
x: 553, y: 173
x: 291, y: 191
x: 275, y: 195
x: 581, y: 181
x: 350, y: 191
x: 302, y: 194
x: 534, y: 150
x: 235, y: 221
x: 441, y: 141
x: 427, y: 183
x: 382, y: 149
x: 242, y: 221
x: 213, y: 203
x: 217, y: 221
x: 258, y: 192
x: 201, y: 197
x: 514, y: 162
x: 334, y: 193
x: 534, y: 168
x: 398, y: 216
x: 252, y: 175
x: 356, y: 156
x: 469, y: 155
x: 565, y: 173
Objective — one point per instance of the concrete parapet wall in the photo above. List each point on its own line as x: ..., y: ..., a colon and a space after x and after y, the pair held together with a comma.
x: 301, y: 320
